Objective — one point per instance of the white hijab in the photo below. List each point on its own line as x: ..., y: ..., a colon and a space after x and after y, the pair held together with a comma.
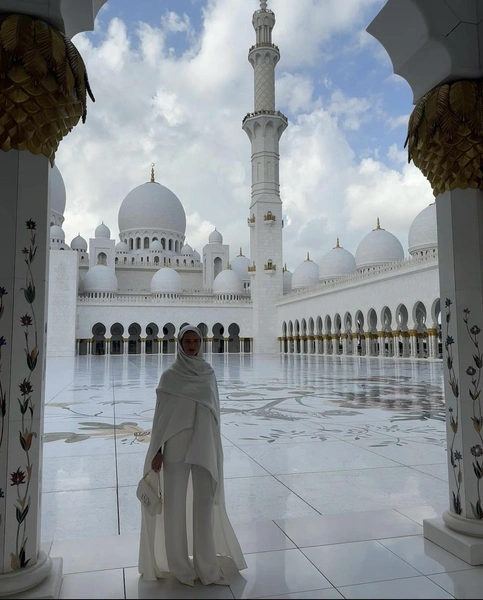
x: 191, y: 377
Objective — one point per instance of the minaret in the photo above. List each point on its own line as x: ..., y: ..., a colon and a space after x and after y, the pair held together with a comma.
x: 264, y: 127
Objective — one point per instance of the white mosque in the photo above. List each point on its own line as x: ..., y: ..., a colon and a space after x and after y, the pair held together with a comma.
x: 133, y: 296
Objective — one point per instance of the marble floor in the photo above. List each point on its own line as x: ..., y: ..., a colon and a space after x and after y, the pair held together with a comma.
x: 331, y: 464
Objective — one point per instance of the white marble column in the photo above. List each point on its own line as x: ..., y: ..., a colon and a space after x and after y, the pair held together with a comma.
x: 143, y: 346
x: 460, y: 220
x: 24, y: 225
x: 368, y: 342
x: 325, y: 339
x: 405, y: 344
x: 344, y: 337
x: 413, y: 343
x: 381, y: 336
x: 436, y: 47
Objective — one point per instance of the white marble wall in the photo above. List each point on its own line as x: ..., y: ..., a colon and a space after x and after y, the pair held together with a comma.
x: 89, y: 315
x: 62, y: 306
x: 390, y: 290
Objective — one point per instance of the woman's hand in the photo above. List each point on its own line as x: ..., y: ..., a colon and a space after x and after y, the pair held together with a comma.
x: 157, y: 462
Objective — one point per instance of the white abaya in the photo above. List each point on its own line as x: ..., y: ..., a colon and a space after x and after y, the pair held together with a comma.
x: 187, y: 399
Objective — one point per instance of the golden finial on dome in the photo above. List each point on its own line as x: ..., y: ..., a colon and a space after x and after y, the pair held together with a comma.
x: 241, y: 253
x: 263, y: 4
x: 378, y: 226
x: 308, y: 258
x: 228, y: 266
x: 152, y: 173
x: 337, y: 245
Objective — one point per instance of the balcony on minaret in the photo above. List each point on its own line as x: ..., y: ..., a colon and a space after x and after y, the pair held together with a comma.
x: 252, y: 269
x: 270, y: 268
x: 251, y: 221
x: 269, y: 218
x: 264, y: 45
x: 275, y: 113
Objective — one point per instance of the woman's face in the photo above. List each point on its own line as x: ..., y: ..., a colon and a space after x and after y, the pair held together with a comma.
x: 191, y: 343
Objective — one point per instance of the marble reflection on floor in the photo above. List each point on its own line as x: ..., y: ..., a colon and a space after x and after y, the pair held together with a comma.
x: 303, y: 436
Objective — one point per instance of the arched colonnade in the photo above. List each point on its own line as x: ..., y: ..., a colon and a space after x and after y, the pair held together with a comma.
x: 402, y: 332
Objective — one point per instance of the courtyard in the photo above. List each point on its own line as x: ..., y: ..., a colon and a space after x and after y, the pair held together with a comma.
x: 331, y: 464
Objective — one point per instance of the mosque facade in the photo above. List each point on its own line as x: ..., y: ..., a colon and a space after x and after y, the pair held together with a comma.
x: 133, y: 296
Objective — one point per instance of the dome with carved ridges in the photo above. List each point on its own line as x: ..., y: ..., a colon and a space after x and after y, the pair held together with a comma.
x: 57, y: 194
x: 379, y: 247
x: 152, y: 206
x: 100, y: 279
x: 423, y: 233
x: 57, y: 233
x: 79, y: 243
x: 240, y: 265
x: 215, y: 237
x: 102, y: 231
x: 338, y: 262
x: 166, y: 281
x: 122, y: 247
x: 227, y: 282
x: 305, y: 275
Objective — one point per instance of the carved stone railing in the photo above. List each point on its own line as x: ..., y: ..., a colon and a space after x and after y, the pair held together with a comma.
x: 161, y: 299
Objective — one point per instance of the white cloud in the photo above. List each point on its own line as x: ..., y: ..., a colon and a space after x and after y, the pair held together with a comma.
x: 399, y: 121
x: 184, y: 113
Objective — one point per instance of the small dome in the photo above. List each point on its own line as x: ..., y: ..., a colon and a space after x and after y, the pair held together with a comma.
x: 100, y: 279
x: 287, y: 281
x: 240, y: 265
x: 305, y: 275
x: 423, y: 233
x: 187, y: 250
x: 79, y: 243
x: 57, y: 192
x: 379, y: 247
x: 122, y: 247
x: 57, y: 233
x: 338, y: 262
x: 215, y: 237
x: 227, y: 282
x: 156, y: 245
x: 196, y: 255
x: 166, y: 281
x: 102, y: 231
x: 151, y: 205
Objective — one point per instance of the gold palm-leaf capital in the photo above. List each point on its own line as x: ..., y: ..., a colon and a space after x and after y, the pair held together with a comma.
x: 43, y: 86
x: 445, y: 136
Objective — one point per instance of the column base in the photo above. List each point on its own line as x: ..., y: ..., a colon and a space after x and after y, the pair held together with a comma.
x: 43, y: 580
x: 466, y: 547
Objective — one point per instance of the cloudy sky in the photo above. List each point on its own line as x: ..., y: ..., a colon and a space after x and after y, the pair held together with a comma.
x: 172, y: 83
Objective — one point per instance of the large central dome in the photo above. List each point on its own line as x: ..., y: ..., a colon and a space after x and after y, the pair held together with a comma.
x: 152, y: 206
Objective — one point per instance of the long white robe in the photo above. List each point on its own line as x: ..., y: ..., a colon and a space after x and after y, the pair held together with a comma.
x: 173, y: 414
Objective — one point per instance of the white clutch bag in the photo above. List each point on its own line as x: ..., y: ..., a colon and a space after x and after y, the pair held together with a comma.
x: 150, y: 498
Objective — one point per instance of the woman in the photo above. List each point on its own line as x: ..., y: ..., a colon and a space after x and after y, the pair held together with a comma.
x: 186, y: 453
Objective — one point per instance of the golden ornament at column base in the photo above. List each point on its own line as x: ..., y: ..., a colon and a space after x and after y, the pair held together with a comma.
x: 43, y: 86
x: 445, y: 136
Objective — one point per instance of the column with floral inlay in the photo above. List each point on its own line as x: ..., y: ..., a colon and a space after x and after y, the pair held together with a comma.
x: 43, y: 87
x: 436, y: 47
